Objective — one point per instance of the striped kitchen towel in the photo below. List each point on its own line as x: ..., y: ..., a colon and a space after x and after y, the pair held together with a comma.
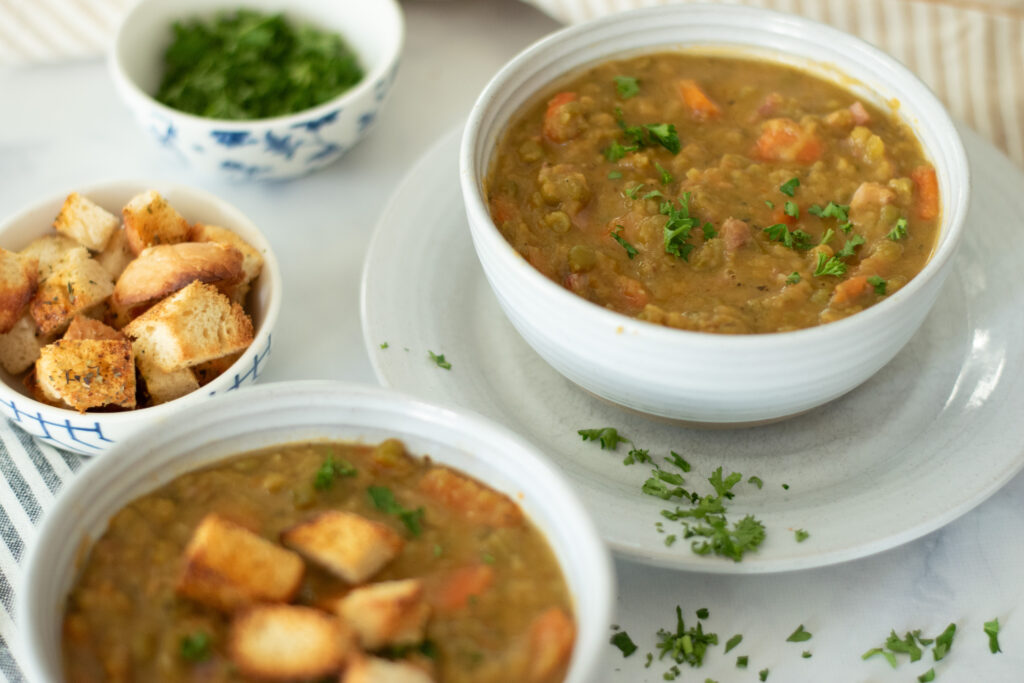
x: 37, y: 31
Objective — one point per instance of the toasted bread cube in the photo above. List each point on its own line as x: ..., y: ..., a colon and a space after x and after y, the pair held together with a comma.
x: 87, y: 328
x: 468, y: 497
x: 36, y: 392
x: 19, y: 348
x: 116, y: 256
x: 227, y: 567
x: 212, y: 369
x: 149, y: 220
x: 165, y: 386
x: 18, y: 281
x: 386, y: 613
x: 162, y: 270
x: 550, y: 641
x: 87, y: 373
x: 192, y: 326
x: 376, y: 670
x: 252, y: 260
x: 78, y: 284
x: 347, y: 545
x: 287, y: 642
x: 49, y: 251
x: 85, y: 222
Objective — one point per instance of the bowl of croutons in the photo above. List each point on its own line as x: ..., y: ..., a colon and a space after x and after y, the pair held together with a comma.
x: 123, y: 302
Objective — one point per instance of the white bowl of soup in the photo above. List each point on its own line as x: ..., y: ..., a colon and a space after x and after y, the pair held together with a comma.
x: 719, y: 215
x: 504, y: 570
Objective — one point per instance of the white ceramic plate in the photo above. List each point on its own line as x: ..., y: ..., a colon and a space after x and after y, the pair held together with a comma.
x: 932, y: 435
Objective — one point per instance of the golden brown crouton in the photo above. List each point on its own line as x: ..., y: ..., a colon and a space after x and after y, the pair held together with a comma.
x: 350, y: 546
x: 162, y: 270
x: 287, y: 642
x: 87, y: 328
x: 116, y: 256
x: 85, y: 222
x: 49, y: 251
x: 470, y: 498
x: 165, y: 386
x: 386, y: 613
x: 18, y: 281
x: 252, y: 260
x: 376, y: 670
x: 192, y: 326
x: 149, y: 220
x: 551, y: 639
x: 212, y: 369
x: 19, y: 348
x: 77, y: 284
x: 87, y: 373
x: 227, y: 567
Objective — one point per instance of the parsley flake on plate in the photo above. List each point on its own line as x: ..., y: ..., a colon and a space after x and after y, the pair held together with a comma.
x: 637, y: 455
x: 800, y: 635
x: 733, y: 642
x: 756, y: 481
x: 440, y: 361
x: 607, y: 436
x: 685, y: 645
x: 762, y: 675
x: 801, y: 535
x: 927, y: 676
x: 741, y: 662
x: 992, y: 631
x: 625, y: 644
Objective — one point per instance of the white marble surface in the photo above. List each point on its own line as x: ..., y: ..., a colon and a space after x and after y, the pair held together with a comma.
x: 62, y: 126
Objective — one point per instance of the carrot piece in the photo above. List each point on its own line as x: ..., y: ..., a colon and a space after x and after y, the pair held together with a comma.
x: 701, y: 106
x: 551, y: 637
x: 470, y: 499
x: 455, y: 588
x: 785, y: 140
x: 780, y: 216
x: 927, y: 185
x: 850, y: 290
x: 503, y: 209
x: 554, y: 126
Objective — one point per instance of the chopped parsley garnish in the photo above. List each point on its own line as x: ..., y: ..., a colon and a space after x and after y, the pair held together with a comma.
x: 686, y: 645
x: 665, y: 134
x: 927, y: 676
x: 756, y: 481
x: 632, y: 191
x: 670, y: 540
x: 992, y: 631
x: 703, y: 613
x: 899, y: 230
x: 722, y: 486
x: 627, y: 86
x: 769, y: 203
x: 741, y: 662
x: 827, y: 237
x: 800, y: 635
x: 250, y: 65
x: 678, y: 227
x: 614, y: 175
x: 733, y: 642
x: 653, y: 194
x: 878, y: 283
x: 848, y: 249
x: 608, y: 436
x: 912, y: 644
x: 794, y: 239
x: 788, y: 188
x: 791, y: 209
x: 440, y: 361
x: 785, y: 486
x: 832, y: 210
x: 630, y: 249
x: 649, y: 134
x: 384, y: 500
x: 660, y: 485
x: 679, y: 461
x: 637, y: 455
x: 829, y: 266
x: 625, y: 644
x: 943, y: 642
x: 793, y: 278
x: 806, y: 654
x: 195, y: 647
x: 762, y: 675
x: 709, y: 231
x: 438, y: 550
x: 801, y: 535
x: 890, y: 657
x: 384, y: 345
x: 329, y: 470
x: 616, y: 151
x: 666, y: 177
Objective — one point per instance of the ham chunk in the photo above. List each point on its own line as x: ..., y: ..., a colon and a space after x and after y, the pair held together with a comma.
x: 735, y: 233
x: 861, y: 117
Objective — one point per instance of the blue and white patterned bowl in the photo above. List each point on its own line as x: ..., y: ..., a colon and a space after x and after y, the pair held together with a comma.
x: 277, y: 148
x: 94, y: 433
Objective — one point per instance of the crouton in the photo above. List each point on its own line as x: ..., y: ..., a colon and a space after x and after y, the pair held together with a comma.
x: 19, y: 348
x: 252, y: 260
x: 165, y: 386
x: 87, y: 328
x: 470, y: 498
x: 227, y: 567
x: 352, y: 547
x: 76, y: 285
x: 32, y: 386
x: 85, y: 222
x: 162, y: 270
x: 149, y: 220
x: 386, y: 613
x: 18, y: 280
x: 287, y: 642
x: 116, y: 256
x: 192, y: 326
x: 376, y: 670
x: 212, y: 369
x: 551, y: 637
x: 49, y: 251
x: 87, y: 373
